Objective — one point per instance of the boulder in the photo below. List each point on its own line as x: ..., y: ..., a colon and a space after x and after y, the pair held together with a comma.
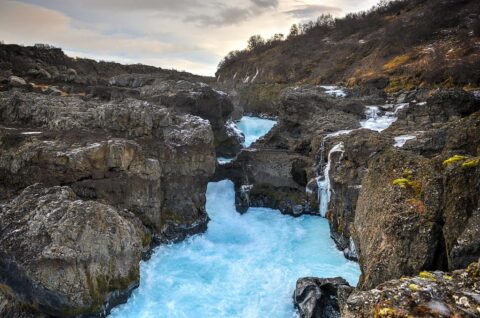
x: 65, y: 256
x: 274, y: 179
x: 16, y: 81
x: 318, y: 297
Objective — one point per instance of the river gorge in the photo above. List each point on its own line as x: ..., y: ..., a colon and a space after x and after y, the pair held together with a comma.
x: 244, y: 265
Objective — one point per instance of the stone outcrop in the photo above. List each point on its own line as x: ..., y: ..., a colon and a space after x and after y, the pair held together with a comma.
x: 65, y: 256
x: 276, y: 171
x: 111, y: 177
x: 430, y: 294
x: 418, y: 210
x: 131, y: 149
x: 270, y: 178
x: 346, y: 174
x: 189, y: 98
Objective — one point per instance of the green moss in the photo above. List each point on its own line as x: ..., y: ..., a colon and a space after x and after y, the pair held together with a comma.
x: 100, y: 286
x: 414, y: 287
x: 428, y: 276
x: 454, y: 159
x: 401, y: 182
x: 385, y: 312
x: 471, y: 163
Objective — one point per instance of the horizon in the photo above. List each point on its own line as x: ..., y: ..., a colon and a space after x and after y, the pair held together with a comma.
x: 187, y: 35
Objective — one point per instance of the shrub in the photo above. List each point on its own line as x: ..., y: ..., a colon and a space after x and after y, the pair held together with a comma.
x: 396, y: 62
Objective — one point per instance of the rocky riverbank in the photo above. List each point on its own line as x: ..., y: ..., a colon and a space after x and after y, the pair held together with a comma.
x: 403, y: 181
x: 96, y: 170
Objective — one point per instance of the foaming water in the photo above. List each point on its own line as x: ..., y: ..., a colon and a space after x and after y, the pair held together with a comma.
x: 242, y: 266
x: 254, y: 128
x: 376, y: 122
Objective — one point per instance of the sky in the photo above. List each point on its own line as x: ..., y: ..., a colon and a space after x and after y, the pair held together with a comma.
x: 189, y: 35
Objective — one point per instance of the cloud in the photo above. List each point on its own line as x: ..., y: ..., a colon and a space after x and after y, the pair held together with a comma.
x: 312, y: 11
x: 71, y: 6
x: 266, y: 3
x: 192, y: 35
x: 227, y: 16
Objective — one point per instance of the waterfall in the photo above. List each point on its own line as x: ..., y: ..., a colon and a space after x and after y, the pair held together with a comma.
x: 324, y: 187
x: 378, y: 122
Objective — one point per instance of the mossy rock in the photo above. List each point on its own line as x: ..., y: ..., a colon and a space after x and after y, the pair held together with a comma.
x: 454, y: 159
x: 471, y: 163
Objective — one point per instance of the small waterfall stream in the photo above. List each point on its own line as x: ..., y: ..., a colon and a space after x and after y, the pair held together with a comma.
x: 324, y: 186
x: 373, y: 121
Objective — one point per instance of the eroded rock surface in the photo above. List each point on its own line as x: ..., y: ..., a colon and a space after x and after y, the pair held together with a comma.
x: 65, y: 256
x: 430, y: 294
x: 136, y: 165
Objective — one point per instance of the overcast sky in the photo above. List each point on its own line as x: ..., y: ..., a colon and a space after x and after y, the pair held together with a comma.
x: 191, y: 35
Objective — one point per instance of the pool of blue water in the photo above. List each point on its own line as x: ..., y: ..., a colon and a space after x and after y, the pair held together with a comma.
x: 253, y: 128
x: 243, y: 266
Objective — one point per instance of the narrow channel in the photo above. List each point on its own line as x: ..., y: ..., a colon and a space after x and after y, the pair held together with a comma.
x: 244, y: 265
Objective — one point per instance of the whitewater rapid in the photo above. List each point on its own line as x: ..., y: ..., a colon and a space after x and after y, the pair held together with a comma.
x: 244, y: 265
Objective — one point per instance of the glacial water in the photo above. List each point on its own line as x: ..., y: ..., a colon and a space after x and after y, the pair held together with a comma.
x: 254, y: 128
x: 244, y: 265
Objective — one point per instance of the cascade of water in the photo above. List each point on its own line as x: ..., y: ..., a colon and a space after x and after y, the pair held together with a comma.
x: 376, y: 122
x: 323, y: 182
x: 244, y: 265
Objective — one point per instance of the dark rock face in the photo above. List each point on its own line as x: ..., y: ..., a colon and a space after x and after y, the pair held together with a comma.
x: 431, y: 221
x: 136, y: 165
x: 128, y: 173
x: 66, y: 256
x: 269, y: 178
x: 189, y: 98
x: 430, y: 294
x: 318, y: 297
x: 442, y: 106
x: 346, y: 175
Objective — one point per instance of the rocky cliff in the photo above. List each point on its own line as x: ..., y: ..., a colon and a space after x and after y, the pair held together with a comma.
x: 97, y: 165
